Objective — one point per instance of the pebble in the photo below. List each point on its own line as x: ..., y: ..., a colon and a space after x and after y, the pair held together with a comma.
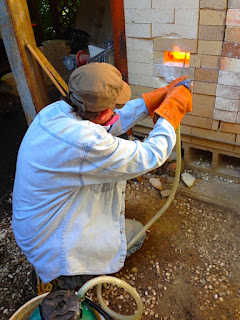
x: 165, y: 193
x: 156, y: 183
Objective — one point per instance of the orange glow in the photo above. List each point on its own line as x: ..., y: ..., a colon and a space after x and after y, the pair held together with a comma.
x: 176, y: 57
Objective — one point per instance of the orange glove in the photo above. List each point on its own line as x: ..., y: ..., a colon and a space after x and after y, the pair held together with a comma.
x: 155, y: 98
x: 178, y: 101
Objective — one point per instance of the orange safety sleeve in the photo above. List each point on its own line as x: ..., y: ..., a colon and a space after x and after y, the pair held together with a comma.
x: 177, y: 103
x: 154, y: 98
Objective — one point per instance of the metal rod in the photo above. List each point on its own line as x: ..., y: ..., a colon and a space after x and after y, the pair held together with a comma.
x: 184, y: 63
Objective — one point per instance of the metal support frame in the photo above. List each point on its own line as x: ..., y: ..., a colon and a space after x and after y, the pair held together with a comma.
x: 16, y: 29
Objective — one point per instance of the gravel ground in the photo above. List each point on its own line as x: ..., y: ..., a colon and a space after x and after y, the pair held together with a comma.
x: 188, y: 267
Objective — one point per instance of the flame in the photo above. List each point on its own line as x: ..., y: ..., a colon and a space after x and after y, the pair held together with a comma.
x: 177, y: 56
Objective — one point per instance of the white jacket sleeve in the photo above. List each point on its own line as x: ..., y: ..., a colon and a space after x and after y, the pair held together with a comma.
x: 133, y: 112
x: 115, y: 159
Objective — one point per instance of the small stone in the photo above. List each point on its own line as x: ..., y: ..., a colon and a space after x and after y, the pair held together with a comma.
x: 165, y: 193
x: 188, y: 179
x: 156, y: 183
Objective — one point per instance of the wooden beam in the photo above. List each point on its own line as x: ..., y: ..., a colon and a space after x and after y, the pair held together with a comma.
x: 17, y: 31
x: 119, y: 37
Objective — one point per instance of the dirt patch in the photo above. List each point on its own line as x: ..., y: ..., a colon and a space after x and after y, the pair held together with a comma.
x: 190, y: 259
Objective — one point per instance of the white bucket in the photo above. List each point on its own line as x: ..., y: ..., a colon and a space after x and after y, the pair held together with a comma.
x: 27, y: 309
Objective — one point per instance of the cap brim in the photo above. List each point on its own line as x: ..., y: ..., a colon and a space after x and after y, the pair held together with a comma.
x: 125, y: 95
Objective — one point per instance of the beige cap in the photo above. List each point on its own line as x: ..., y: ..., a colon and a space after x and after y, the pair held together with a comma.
x: 97, y: 87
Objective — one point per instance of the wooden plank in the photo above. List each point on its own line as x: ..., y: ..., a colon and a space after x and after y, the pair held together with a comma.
x: 50, y: 71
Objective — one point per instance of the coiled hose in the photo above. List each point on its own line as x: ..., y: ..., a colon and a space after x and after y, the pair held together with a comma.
x: 114, y: 281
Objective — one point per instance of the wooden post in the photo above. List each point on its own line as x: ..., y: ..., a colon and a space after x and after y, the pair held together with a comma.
x: 16, y: 29
x: 119, y: 37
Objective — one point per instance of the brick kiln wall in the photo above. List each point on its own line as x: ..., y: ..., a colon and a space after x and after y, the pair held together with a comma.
x: 210, y: 31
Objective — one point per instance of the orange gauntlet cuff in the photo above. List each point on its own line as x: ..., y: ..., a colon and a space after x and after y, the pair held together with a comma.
x: 177, y: 103
x: 155, y: 98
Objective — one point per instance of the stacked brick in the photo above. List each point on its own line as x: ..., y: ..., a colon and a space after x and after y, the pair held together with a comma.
x: 201, y: 126
x: 227, y: 106
x: 155, y: 26
x: 210, y: 31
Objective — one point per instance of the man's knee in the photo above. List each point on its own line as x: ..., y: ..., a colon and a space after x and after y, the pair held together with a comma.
x: 132, y: 228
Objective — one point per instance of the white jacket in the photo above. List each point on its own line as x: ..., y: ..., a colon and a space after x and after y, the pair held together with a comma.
x: 69, y: 190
